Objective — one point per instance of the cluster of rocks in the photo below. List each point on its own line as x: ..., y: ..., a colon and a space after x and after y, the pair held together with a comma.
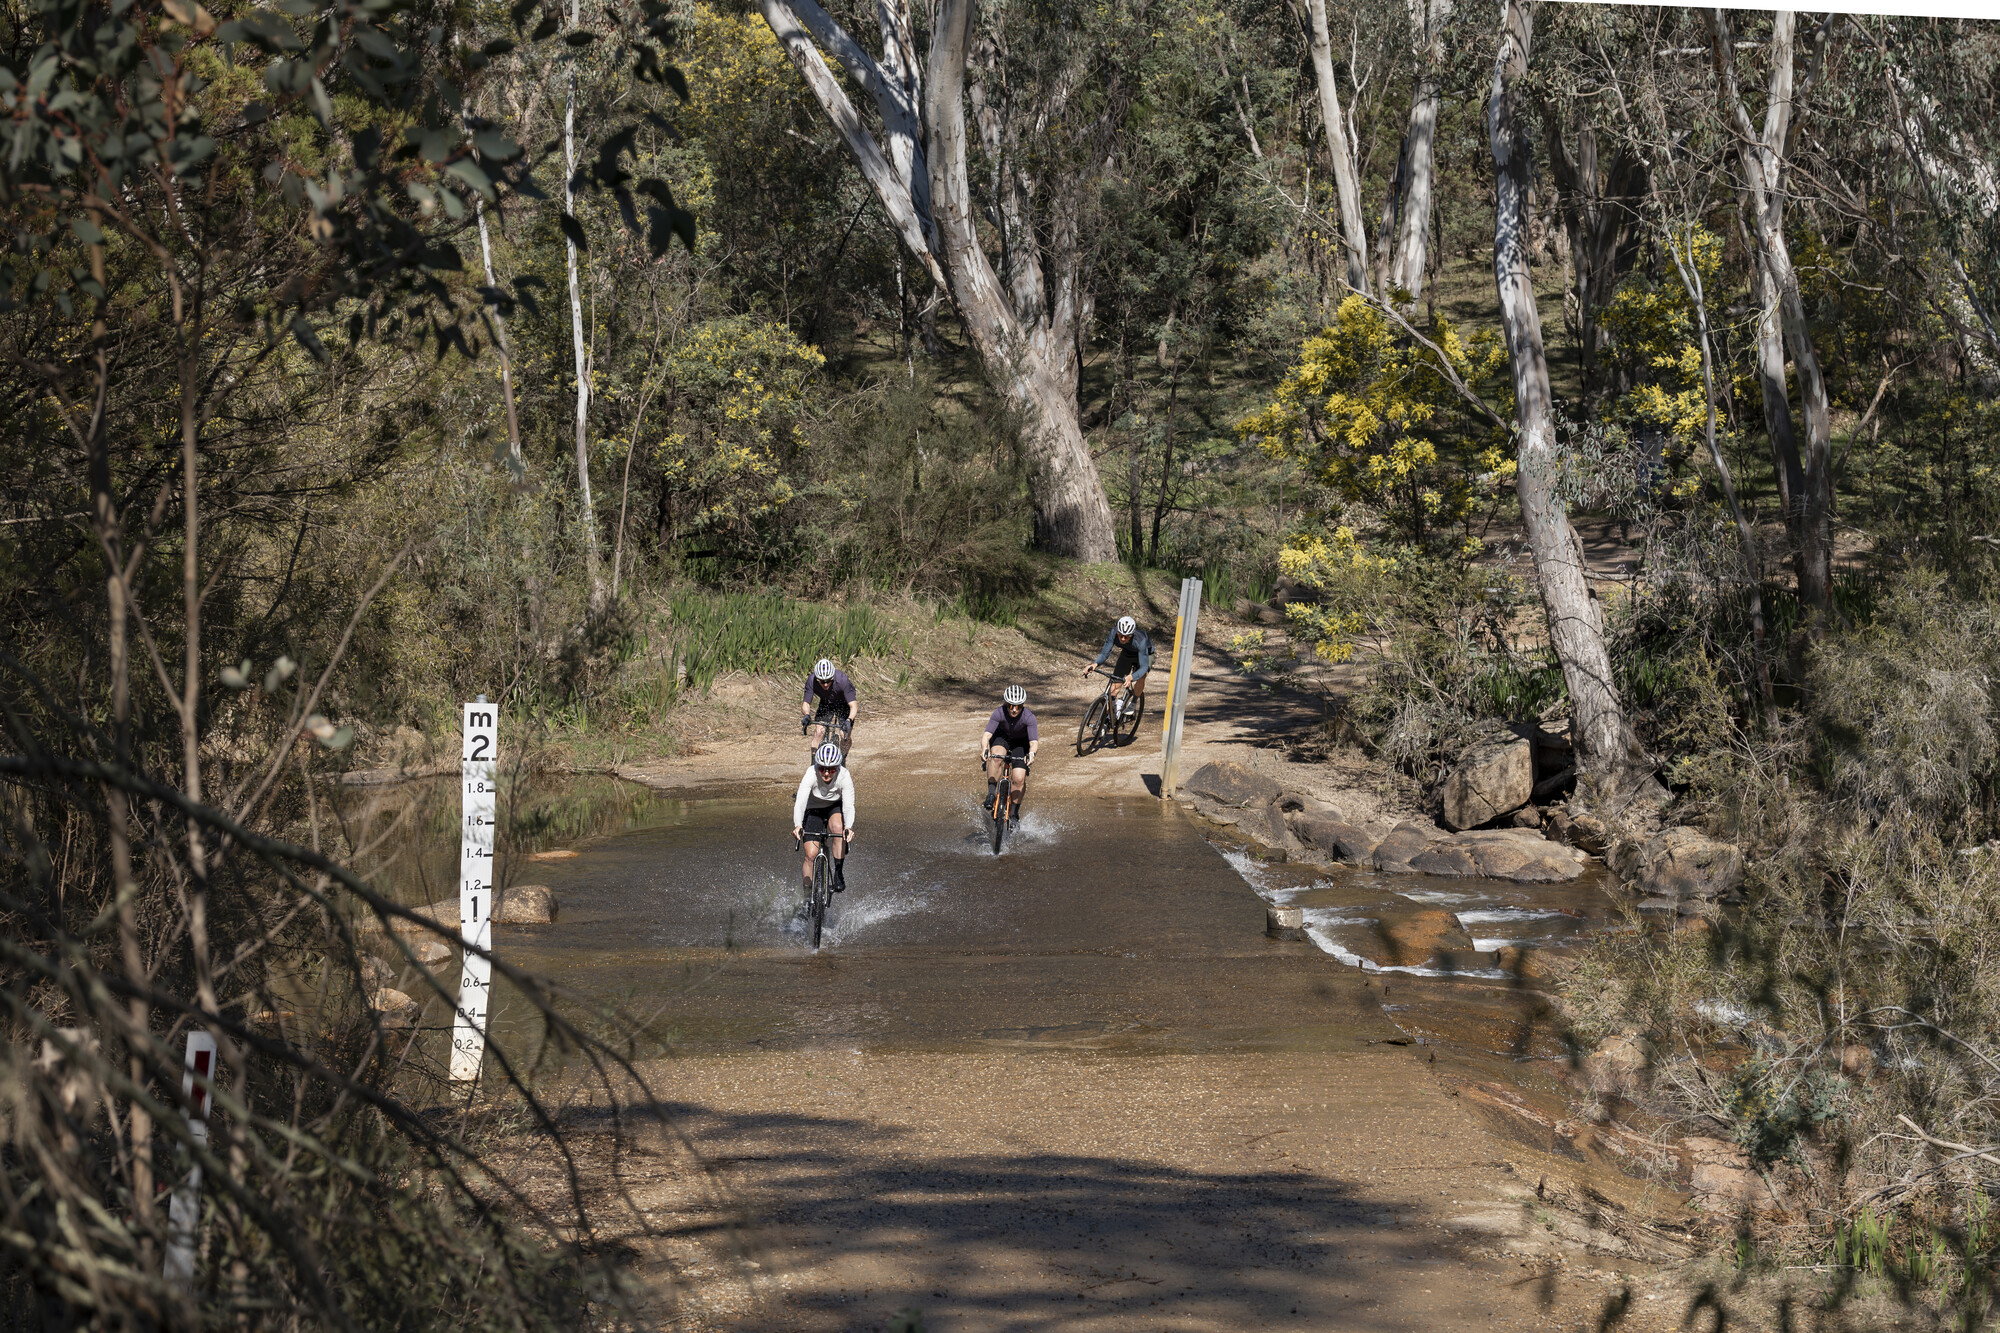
x: 1307, y: 828
x: 1673, y: 870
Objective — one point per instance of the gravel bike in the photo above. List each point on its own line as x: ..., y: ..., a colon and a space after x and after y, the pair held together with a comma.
x: 839, y: 730
x: 996, y: 800
x: 820, y: 897
x: 1104, y: 722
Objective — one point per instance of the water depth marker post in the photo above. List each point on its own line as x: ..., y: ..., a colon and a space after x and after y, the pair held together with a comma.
x: 1177, y: 687
x: 184, y: 1207
x: 478, y: 767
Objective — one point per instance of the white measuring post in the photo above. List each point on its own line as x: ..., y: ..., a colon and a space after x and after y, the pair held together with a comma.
x: 1177, y: 687
x: 478, y: 767
x: 184, y: 1208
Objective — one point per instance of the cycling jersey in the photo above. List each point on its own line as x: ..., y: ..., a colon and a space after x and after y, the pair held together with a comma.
x: 1138, y: 653
x: 1013, y: 732
x: 823, y: 796
x: 835, y: 696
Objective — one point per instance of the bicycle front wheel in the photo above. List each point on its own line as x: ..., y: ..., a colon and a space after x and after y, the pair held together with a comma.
x: 822, y: 894
x: 1088, y: 732
x: 1135, y: 709
x: 998, y: 814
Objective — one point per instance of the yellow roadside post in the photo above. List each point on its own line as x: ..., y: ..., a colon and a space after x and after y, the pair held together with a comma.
x: 1185, y: 627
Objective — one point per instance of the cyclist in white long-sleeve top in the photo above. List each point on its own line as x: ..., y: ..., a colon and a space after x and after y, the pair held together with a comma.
x: 823, y: 810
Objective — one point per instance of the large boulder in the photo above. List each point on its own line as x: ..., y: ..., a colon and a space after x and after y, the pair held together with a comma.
x: 1686, y: 863
x: 1445, y: 858
x: 526, y: 905
x: 1493, y: 778
x: 1416, y: 939
x: 1523, y: 856
x: 1331, y: 838
x: 1232, y: 786
x: 1406, y: 840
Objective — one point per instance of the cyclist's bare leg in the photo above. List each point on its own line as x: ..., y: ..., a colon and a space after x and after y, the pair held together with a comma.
x: 812, y: 854
x: 1020, y: 784
x: 818, y: 735
x: 996, y: 764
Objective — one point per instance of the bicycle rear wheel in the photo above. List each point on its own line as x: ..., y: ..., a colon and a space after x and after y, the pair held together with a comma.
x: 1089, y: 733
x: 822, y: 894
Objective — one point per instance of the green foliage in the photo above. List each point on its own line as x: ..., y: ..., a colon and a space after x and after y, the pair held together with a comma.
x: 716, y: 633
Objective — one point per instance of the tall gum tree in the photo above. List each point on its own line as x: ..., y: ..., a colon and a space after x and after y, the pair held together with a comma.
x: 1416, y: 168
x: 1803, y: 457
x: 1608, y: 753
x: 1025, y: 330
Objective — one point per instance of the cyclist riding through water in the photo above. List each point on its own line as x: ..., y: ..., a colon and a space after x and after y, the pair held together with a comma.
x: 1134, y: 649
x: 824, y: 811
x: 1010, y: 742
x: 829, y: 695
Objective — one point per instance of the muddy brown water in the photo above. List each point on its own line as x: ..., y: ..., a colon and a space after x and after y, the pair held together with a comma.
x: 1074, y: 1085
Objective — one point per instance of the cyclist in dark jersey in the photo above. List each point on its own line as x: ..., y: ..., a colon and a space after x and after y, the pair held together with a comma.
x: 829, y: 695
x: 1134, y: 649
x: 1010, y: 742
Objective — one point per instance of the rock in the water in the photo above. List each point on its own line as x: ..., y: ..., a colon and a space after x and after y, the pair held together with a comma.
x: 376, y: 974
x: 526, y: 905
x: 559, y: 854
x: 1412, y: 941
x: 1405, y: 840
x: 1686, y: 863
x: 1493, y: 778
x: 1617, y: 1067
x: 392, y: 1004
x: 1524, y: 857
x: 432, y: 952
x: 1526, y: 817
x: 1232, y: 785
x: 1444, y: 858
x: 1328, y: 836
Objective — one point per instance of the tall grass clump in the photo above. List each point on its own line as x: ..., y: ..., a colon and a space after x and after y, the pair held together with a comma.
x: 715, y: 633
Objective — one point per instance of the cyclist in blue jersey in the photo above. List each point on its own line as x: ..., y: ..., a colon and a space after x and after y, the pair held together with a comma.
x: 829, y: 696
x: 1134, y: 650
x: 1011, y: 739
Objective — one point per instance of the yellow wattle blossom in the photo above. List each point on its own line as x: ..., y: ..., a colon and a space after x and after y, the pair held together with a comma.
x: 1373, y: 417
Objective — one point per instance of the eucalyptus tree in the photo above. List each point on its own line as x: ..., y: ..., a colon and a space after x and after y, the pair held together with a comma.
x: 1804, y: 468
x: 1025, y: 318
x: 1608, y: 751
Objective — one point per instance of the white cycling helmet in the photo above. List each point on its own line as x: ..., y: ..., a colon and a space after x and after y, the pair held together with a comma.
x: 823, y: 669
x: 1127, y: 625
x: 827, y: 756
x: 1014, y: 695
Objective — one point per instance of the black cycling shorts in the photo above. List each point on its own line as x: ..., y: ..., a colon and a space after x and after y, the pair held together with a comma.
x: 815, y: 825
x: 1127, y: 663
x: 1017, y: 756
x: 831, y: 713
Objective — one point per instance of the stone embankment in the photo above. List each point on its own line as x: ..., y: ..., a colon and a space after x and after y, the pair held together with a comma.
x: 1306, y: 828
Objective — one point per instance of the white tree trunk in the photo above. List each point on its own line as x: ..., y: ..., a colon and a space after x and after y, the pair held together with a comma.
x: 1030, y: 363
x: 1763, y: 156
x: 1346, y: 174
x: 588, y: 511
x: 1607, y: 751
x: 1071, y: 514
x: 1413, y: 211
x: 516, y: 460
